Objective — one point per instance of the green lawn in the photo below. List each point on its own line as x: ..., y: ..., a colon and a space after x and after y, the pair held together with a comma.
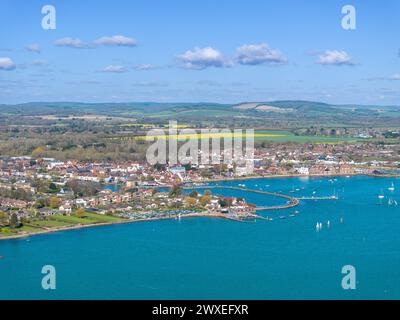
x: 59, y: 221
x: 29, y: 229
x: 7, y: 231
x: 102, y: 218
x: 71, y: 219
x: 4, y: 231
x: 88, y: 219
x: 50, y: 223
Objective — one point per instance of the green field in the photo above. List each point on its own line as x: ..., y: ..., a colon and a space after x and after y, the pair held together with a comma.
x: 57, y: 221
x: 102, y: 218
x: 195, y: 113
x: 89, y: 218
x: 286, y: 136
x: 49, y: 223
x: 6, y: 231
x: 261, y: 135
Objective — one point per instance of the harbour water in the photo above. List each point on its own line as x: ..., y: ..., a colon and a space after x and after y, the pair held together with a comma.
x: 202, y: 258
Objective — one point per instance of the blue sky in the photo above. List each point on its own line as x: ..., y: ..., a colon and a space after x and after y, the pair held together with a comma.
x: 191, y: 51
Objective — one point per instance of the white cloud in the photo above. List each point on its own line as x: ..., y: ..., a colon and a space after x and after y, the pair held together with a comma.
x: 34, y: 47
x: 71, y: 43
x: 6, y: 64
x: 255, y: 54
x: 114, y: 69
x: 335, y: 58
x: 117, y: 40
x: 76, y: 43
x: 146, y: 67
x: 201, y: 58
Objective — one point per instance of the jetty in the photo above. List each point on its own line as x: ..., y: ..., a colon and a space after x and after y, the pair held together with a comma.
x: 291, y: 201
x: 319, y: 198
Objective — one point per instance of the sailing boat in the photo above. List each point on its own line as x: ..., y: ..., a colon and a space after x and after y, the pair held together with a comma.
x: 392, y: 202
x: 391, y: 188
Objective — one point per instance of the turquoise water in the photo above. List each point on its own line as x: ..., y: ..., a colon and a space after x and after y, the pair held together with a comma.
x: 211, y: 258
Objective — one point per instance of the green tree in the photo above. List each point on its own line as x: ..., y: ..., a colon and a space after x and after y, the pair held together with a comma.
x: 40, y: 203
x: 3, y: 218
x: 53, y: 188
x: 222, y: 203
x: 14, y: 223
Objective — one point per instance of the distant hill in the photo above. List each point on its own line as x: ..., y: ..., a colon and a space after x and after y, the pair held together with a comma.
x: 301, y: 105
x: 269, y: 106
x: 284, y: 112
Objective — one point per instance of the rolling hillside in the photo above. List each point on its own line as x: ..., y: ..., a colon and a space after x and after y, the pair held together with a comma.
x: 288, y: 113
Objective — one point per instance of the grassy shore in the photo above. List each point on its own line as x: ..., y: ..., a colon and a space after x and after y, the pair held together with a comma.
x: 57, y: 223
x: 27, y: 232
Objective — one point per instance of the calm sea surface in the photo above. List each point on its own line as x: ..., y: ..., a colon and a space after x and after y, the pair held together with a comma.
x: 201, y: 258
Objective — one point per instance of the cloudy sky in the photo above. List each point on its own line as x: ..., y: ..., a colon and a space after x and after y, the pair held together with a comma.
x: 191, y: 51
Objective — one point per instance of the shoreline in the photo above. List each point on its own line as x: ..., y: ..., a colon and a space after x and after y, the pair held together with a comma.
x: 191, y: 215
x: 78, y: 227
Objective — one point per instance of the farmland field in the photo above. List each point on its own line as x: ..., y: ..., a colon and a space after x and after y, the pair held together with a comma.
x: 270, y: 136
